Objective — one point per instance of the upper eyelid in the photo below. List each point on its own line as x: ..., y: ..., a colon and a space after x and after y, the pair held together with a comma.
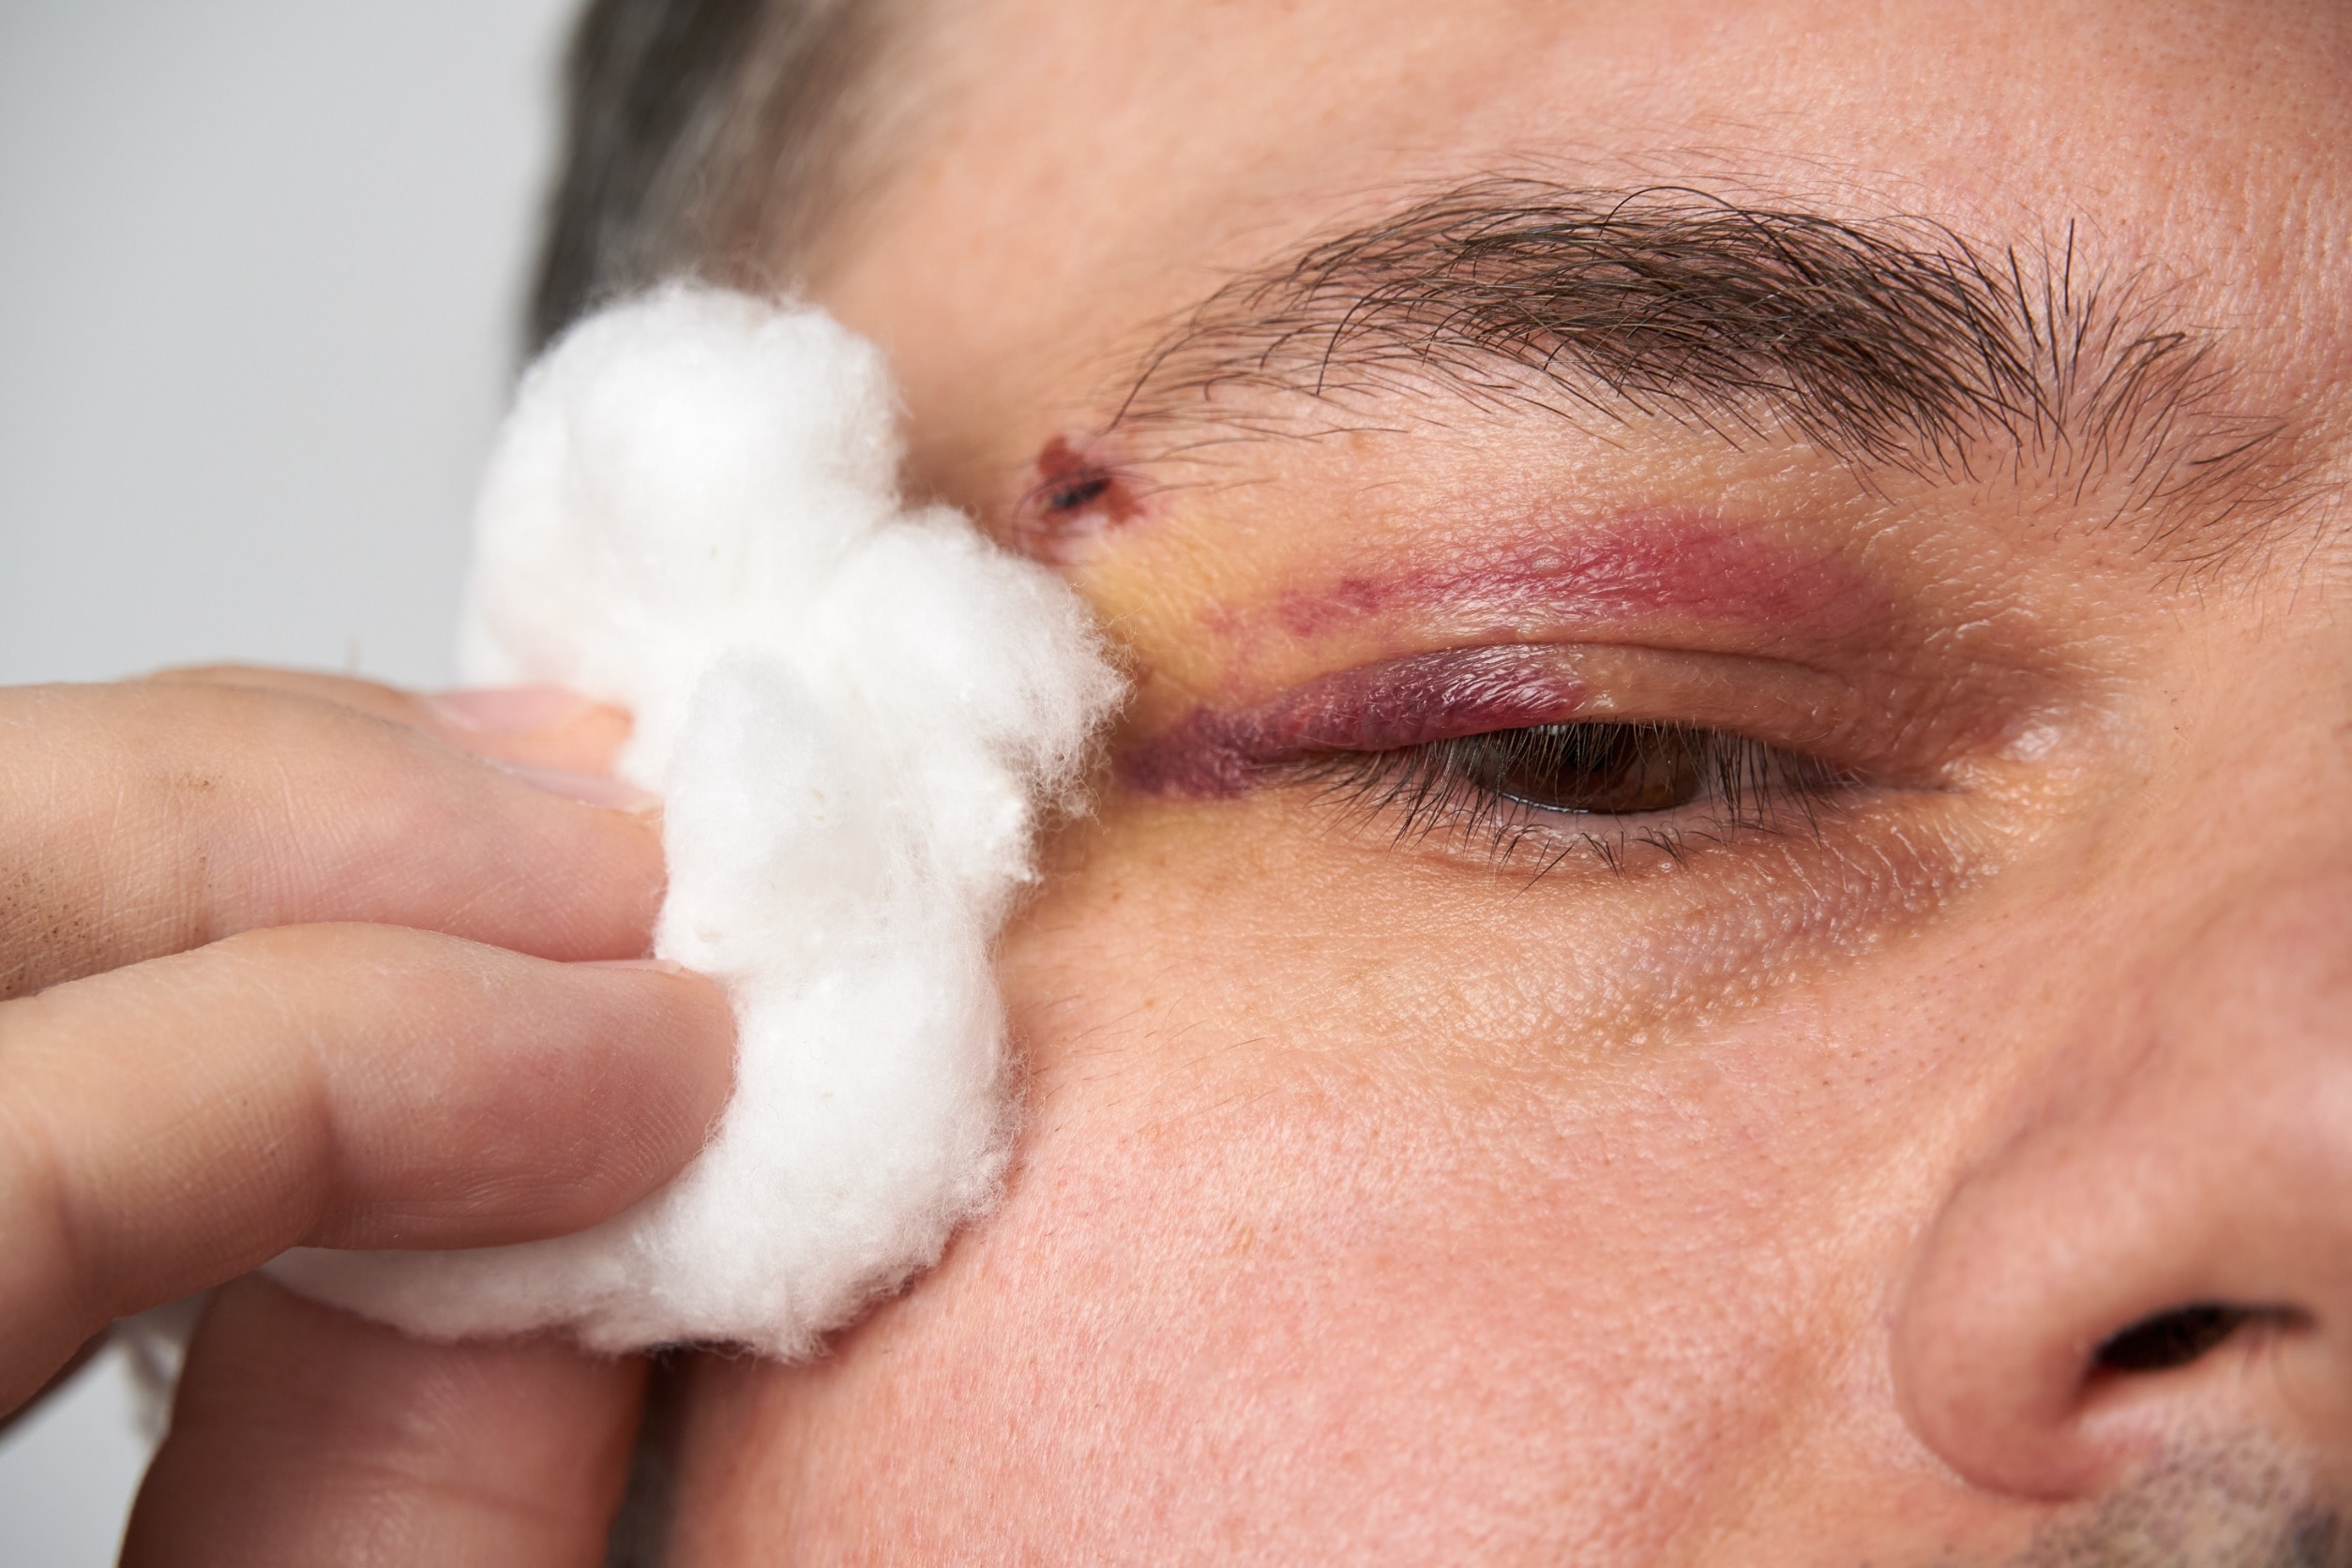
x: 1798, y: 763
x: 1216, y: 751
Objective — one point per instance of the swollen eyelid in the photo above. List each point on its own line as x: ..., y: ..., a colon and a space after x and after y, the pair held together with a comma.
x: 1213, y: 753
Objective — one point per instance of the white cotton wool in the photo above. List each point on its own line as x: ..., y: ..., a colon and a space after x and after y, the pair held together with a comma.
x: 856, y: 714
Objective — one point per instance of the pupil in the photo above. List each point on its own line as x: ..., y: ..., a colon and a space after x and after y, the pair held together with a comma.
x: 1605, y: 769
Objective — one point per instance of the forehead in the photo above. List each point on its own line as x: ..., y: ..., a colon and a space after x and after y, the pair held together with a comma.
x: 1074, y: 176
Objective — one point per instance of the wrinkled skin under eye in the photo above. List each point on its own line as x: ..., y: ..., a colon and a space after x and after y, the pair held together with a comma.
x: 1504, y: 782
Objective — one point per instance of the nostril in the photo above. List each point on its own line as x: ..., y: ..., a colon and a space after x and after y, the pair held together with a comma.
x: 2170, y: 1339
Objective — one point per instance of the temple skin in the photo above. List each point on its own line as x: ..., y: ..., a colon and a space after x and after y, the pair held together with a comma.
x: 1757, y: 1198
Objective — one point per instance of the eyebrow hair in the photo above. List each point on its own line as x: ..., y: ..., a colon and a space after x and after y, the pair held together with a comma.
x: 1893, y: 343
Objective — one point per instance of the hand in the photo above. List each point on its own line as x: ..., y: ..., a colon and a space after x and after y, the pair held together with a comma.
x: 284, y: 964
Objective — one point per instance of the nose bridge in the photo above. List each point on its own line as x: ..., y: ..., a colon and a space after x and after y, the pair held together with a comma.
x: 2241, y: 1030
x: 2223, y: 1151
x: 2187, y: 1170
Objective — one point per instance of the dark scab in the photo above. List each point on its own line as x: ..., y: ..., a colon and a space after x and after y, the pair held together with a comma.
x: 1072, y: 495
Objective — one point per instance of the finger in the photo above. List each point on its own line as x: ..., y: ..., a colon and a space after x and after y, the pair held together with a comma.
x: 304, y: 1436
x: 173, y: 1124
x: 545, y: 726
x: 57, y: 1381
x: 152, y: 816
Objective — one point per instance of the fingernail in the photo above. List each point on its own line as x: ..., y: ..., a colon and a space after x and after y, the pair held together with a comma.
x: 508, y: 710
x: 661, y: 966
x: 586, y: 788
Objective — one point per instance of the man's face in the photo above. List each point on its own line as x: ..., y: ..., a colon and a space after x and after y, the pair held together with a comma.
x: 1855, y: 1065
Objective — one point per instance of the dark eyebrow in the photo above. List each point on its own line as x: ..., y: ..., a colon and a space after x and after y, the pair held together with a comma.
x: 1889, y: 344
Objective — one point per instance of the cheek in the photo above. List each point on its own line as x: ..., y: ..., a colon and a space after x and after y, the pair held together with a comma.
x: 1292, y: 1213
x: 1334, y: 1309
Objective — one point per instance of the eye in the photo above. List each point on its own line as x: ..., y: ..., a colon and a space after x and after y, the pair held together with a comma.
x: 1616, y: 769
x: 1597, y: 785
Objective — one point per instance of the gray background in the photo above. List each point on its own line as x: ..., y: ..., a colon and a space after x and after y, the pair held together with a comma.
x: 260, y: 266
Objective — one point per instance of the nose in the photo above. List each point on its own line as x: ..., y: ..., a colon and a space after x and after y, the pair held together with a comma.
x: 2162, y: 1251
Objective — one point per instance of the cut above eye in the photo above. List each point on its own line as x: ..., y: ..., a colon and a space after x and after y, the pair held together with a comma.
x: 1585, y: 781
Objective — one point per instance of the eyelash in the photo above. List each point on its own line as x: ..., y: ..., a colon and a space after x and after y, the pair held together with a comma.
x: 1665, y: 786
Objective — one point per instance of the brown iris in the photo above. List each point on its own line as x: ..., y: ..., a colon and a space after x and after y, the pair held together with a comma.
x: 1605, y: 769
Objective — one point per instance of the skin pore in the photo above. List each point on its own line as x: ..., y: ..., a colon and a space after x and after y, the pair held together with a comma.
x: 1412, y: 1174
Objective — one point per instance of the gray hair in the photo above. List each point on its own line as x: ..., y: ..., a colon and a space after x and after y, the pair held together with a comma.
x: 709, y: 136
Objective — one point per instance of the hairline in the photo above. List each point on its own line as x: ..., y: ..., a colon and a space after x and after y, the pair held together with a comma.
x: 719, y: 137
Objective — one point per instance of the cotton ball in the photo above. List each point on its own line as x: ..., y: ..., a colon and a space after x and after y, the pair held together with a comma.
x: 1035, y: 704
x: 777, y: 838
x: 858, y: 714
x: 1022, y: 703
x: 627, y: 529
